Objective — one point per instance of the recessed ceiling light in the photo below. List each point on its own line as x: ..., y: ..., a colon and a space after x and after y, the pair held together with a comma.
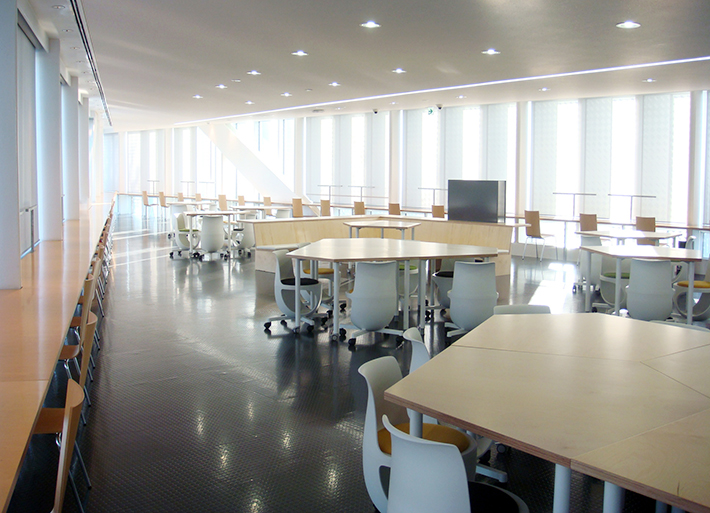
x: 393, y: 103
x: 649, y: 80
x: 236, y: 80
x: 58, y: 7
x: 490, y: 51
x: 398, y: 70
x: 461, y: 96
x: 74, y: 48
x: 286, y: 94
x: 197, y: 96
x: 309, y: 90
x: 249, y: 102
x: 67, y: 31
x: 628, y: 24
x: 544, y: 89
x: 299, y: 53
x: 253, y: 72
x: 334, y: 84
x: 370, y: 24
x: 221, y: 86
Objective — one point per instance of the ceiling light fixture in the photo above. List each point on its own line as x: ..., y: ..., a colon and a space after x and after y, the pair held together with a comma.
x: 253, y: 72
x: 544, y: 89
x: 393, y: 103
x: 67, y: 31
x: 490, y: 51
x: 286, y: 94
x: 370, y: 24
x: 334, y: 84
x: 249, y: 102
x: 197, y: 96
x: 461, y: 97
x: 221, y: 86
x: 649, y: 80
x: 299, y: 53
x: 399, y: 71
x: 236, y: 80
x: 628, y: 24
x: 309, y: 90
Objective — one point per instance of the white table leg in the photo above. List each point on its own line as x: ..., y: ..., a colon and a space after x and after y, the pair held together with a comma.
x: 617, y: 288
x: 563, y: 478
x: 416, y: 420
x: 405, y: 307
x: 613, y: 498
x: 298, y: 296
x: 689, y: 302
x: 421, y: 296
x: 336, y: 301
x: 587, y: 280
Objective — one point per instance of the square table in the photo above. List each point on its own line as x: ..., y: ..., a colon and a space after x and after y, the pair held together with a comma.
x: 646, y: 252
x: 568, y: 387
x: 370, y: 249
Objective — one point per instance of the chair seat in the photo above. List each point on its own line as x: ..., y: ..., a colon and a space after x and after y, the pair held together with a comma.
x: 697, y: 284
x: 612, y: 274
x: 486, y: 498
x: 321, y: 270
x: 444, y: 274
x: 434, y: 432
x: 291, y: 282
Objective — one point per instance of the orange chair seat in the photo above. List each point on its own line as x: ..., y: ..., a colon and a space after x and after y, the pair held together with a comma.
x: 433, y: 432
x: 698, y: 284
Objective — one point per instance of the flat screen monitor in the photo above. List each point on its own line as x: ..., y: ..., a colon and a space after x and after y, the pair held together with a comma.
x: 481, y: 201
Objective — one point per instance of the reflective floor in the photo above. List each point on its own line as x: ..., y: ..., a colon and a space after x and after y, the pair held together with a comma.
x: 196, y: 408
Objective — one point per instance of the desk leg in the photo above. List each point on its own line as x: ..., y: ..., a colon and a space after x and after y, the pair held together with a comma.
x: 689, y: 302
x: 421, y: 296
x: 617, y: 288
x: 416, y: 420
x: 563, y: 478
x: 587, y: 282
x: 382, y: 233
x: 336, y: 301
x: 405, y: 306
x: 613, y: 498
x: 298, y: 296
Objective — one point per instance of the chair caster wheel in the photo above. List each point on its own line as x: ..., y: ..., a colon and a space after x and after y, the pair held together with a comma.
x: 342, y: 307
x: 284, y: 323
x: 502, y: 449
x: 594, y: 309
x: 309, y: 329
x: 443, y: 312
x: 330, y: 313
x: 574, y: 289
x: 267, y: 325
x: 351, y: 342
x: 399, y: 340
x: 171, y: 254
x: 342, y: 332
x: 323, y: 321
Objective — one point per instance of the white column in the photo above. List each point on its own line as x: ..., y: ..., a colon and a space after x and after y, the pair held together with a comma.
x: 70, y: 148
x: 298, y: 128
x: 698, y: 155
x: 522, y: 154
x: 169, y: 173
x: 49, y: 143
x: 83, y: 139
x: 395, y: 138
x: 97, y: 160
x: 10, y: 276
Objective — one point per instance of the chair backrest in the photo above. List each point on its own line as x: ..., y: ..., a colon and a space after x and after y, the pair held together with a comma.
x: 374, y: 296
x: 438, y: 211
x: 145, y: 198
x: 425, y: 476
x: 532, y: 223
x: 297, y: 207
x: 198, y: 196
x: 420, y: 354
x: 267, y: 203
x: 72, y: 412
x: 359, y: 208
x: 283, y: 213
x: 474, y: 279
x: 394, y: 209
x: 324, y: 207
x: 89, y: 291
x: 180, y: 196
x: 87, y: 343
x: 587, y: 222
x: 240, y: 201
x: 646, y: 224
x: 651, y: 276
x: 161, y: 199
x: 222, y: 200
x: 520, y: 309
x: 284, y: 266
x: 380, y: 374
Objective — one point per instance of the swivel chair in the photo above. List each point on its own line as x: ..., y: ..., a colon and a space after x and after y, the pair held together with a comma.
x: 473, y: 295
x: 650, y: 293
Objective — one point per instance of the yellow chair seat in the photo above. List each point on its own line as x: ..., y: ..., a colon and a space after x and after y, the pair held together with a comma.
x: 698, y: 284
x: 434, y: 432
x: 321, y: 270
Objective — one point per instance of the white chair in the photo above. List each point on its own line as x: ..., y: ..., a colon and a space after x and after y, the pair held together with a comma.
x: 473, y: 295
x: 243, y: 237
x: 181, y: 235
x: 380, y: 374
x: 373, y: 301
x: 701, y: 309
x: 520, y: 309
x: 429, y: 476
x: 285, y: 293
x: 649, y: 294
x: 444, y: 279
x: 607, y: 282
x: 212, y: 235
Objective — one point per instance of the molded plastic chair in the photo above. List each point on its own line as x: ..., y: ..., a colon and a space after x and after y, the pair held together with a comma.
x: 243, y: 237
x: 430, y: 476
x: 394, y: 209
x: 520, y: 309
x: 374, y: 298
x: 532, y: 231
x: 473, y: 295
x: 64, y: 422
x: 212, y: 234
x: 650, y: 293
x: 285, y: 293
x: 701, y: 309
x: 607, y: 281
x: 359, y: 208
x: 380, y: 374
x: 181, y: 236
x: 444, y: 279
x: 324, y: 207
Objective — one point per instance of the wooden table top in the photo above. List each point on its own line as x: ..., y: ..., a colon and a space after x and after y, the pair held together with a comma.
x: 552, y: 386
x: 647, y: 252
x: 630, y: 234
x: 370, y: 249
x: 35, y: 321
x: 382, y: 223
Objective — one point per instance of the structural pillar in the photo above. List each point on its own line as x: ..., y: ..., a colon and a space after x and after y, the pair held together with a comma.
x: 70, y: 148
x: 49, y: 143
x: 10, y: 275
x: 83, y: 139
x: 395, y: 163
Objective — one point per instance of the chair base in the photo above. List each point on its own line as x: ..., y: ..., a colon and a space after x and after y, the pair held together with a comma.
x: 353, y: 336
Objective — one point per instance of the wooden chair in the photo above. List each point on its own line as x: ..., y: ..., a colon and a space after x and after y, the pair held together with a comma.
x: 297, y: 207
x: 394, y: 209
x: 163, y: 203
x: 198, y: 196
x: 587, y: 222
x: 64, y: 422
x: 180, y: 196
x: 532, y: 231
x: 646, y: 224
x: 438, y: 211
x: 240, y: 201
x: 359, y: 208
x: 324, y: 208
x: 267, y: 203
x: 222, y: 200
x: 146, y: 203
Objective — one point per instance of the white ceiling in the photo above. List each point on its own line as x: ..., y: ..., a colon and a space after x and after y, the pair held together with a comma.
x: 154, y: 55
